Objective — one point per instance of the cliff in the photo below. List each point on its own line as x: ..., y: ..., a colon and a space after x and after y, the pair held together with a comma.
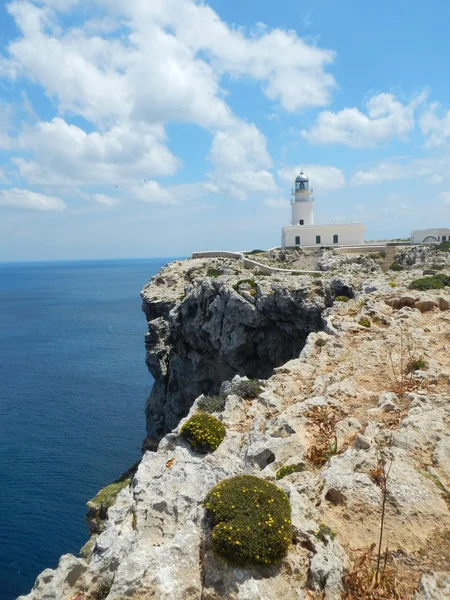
x: 351, y: 388
x: 210, y: 319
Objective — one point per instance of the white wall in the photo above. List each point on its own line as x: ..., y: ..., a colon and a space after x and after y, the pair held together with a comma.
x: 302, y: 210
x: 417, y: 237
x: 349, y: 234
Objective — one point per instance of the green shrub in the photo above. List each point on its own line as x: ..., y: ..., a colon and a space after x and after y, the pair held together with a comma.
x: 325, y: 531
x: 395, y: 266
x: 392, y: 284
x: 204, y: 432
x: 251, y: 520
x: 435, y: 282
x: 416, y: 364
x: 442, y: 247
x: 341, y: 299
x: 247, y: 389
x: 255, y: 252
x: 288, y: 469
x: 212, y: 404
x: 212, y: 272
x: 365, y: 322
x: 250, y: 282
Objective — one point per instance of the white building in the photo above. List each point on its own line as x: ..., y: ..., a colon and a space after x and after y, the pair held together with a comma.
x: 303, y: 231
x: 430, y: 236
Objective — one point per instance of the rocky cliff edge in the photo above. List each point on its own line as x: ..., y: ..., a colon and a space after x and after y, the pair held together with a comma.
x: 372, y: 380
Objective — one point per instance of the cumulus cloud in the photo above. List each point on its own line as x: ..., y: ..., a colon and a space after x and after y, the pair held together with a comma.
x: 386, y: 118
x: 26, y: 200
x: 241, y: 160
x: 121, y: 155
x: 323, y: 178
x: 435, y: 129
x: 168, y: 64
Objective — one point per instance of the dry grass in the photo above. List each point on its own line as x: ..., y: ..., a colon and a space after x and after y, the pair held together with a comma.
x: 363, y: 583
x: 325, y: 445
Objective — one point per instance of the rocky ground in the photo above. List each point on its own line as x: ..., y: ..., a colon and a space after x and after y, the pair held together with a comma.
x: 363, y: 409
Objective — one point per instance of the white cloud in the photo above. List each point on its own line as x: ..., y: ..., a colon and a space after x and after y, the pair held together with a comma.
x: 241, y: 161
x: 386, y: 118
x: 152, y: 193
x: 436, y: 129
x: 65, y: 154
x: 167, y: 64
x: 277, y: 203
x: 434, y: 169
x: 26, y: 200
x: 323, y: 178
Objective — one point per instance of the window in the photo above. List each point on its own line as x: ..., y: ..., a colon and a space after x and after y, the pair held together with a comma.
x: 302, y: 222
x: 335, y: 238
x: 444, y: 238
x: 297, y: 240
x: 317, y: 239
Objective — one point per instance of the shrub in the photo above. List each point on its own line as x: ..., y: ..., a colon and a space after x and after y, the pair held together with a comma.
x: 416, y: 364
x: 212, y: 404
x: 250, y: 282
x: 435, y: 282
x: 392, y: 284
x: 204, y: 432
x: 341, y: 299
x: 324, y: 531
x: 365, y: 322
x: 442, y: 247
x: 255, y: 252
x: 213, y: 272
x: 395, y: 266
x: 247, y: 389
x: 288, y: 469
x: 251, y: 520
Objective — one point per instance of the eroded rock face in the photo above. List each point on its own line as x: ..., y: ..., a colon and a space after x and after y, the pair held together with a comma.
x: 216, y: 332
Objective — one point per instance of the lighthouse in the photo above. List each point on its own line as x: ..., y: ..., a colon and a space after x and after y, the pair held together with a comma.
x: 302, y: 202
x: 303, y: 231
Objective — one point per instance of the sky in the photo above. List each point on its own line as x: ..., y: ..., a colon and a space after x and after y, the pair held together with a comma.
x: 163, y: 127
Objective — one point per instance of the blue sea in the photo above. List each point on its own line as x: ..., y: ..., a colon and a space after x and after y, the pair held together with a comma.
x: 73, y: 385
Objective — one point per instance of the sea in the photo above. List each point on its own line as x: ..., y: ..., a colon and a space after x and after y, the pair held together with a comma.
x: 73, y: 386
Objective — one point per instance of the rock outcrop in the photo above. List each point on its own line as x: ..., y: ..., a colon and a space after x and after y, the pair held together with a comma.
x: 206, y: 329
x: 354, y: 401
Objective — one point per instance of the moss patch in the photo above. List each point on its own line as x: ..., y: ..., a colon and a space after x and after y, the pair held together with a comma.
x: 204, y: 432
x: 251, y: 520
x: 365, y: 322
x: 341, y: 299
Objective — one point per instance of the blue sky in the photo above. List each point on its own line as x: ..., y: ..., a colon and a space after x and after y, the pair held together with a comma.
x: 134, y: 129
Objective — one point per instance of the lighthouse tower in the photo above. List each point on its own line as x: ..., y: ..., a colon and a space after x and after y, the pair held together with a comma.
x: 302, y: 202
x: 303, y: 232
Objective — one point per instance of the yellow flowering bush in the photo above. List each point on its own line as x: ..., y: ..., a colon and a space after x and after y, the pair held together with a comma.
x: 288, y: 469
x: 251, y: 520
x: 204, y: 432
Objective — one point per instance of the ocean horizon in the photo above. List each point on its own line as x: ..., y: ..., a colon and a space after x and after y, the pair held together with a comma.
x: 73, y: 390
